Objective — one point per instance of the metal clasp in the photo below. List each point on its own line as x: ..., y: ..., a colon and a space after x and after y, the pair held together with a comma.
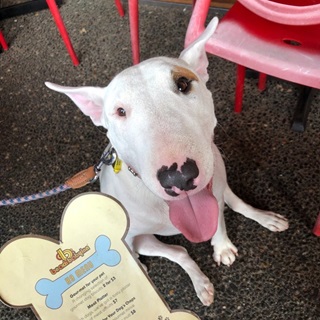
x: 108, y: 158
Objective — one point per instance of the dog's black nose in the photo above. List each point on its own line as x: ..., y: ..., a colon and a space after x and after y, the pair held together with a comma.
x: 182, y: 179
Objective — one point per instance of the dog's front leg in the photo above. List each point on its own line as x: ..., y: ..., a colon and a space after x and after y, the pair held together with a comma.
x: 268, y: 219
x: 223, y: 249
x: 149, y: 245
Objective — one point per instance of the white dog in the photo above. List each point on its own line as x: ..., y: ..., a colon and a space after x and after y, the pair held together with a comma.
x: 160, y: 120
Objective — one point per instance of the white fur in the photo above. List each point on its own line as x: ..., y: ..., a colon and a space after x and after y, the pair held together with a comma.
x: 163, y: 126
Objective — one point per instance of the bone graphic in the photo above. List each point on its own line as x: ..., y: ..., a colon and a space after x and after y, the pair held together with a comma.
x: 54, y: 289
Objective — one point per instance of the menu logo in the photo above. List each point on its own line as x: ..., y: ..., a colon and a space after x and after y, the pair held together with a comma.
x: 68, y: 256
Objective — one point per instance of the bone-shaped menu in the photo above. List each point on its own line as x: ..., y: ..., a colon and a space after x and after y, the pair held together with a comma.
x: 90, y: 274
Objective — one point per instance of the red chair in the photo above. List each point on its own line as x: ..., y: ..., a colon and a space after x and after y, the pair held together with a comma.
x: 278, y: 38
x: 134, y: 30
x: 63, y: 31
x: 134, y: 27
x: 61, y: 27
x: 316, y: 228
x: 3, y: 42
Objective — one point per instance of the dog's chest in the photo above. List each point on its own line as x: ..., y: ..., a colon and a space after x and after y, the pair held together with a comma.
x: 148, y: 213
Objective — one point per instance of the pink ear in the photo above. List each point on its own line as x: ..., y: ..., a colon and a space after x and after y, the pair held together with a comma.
x: 195, y: 54
x: 88, y: 99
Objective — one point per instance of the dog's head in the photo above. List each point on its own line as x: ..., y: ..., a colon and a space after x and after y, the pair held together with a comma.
x: 160, y: 120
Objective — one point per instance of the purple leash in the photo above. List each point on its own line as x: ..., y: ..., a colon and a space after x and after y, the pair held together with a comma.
x: 82, y: 178
x: 35, y: 196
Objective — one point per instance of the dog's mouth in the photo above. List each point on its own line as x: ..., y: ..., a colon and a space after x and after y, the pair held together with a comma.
x: 195, y: 216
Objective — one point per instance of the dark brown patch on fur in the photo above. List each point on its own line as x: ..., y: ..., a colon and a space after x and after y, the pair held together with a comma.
x: 181, y: 72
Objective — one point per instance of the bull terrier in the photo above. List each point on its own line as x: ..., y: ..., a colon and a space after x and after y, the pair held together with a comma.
x: 160, y: 120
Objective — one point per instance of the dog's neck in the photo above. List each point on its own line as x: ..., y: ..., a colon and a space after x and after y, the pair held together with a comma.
x: 117, y: 162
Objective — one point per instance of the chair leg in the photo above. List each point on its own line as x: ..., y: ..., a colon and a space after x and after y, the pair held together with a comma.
x: 316, y: 229
x: 62, y: 29
x: 3, y: 42
x: 134, y: 29
x: 119, y: 7
x: 300, y: 116
x: 262, y: 81
x: 241, y: 73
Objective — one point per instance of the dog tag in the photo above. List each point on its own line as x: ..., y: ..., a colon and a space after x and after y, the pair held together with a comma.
x: 90, y: 274
x: 117, y: 165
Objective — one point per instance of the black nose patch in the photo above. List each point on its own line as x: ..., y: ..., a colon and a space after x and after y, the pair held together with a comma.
x: 184, y: 180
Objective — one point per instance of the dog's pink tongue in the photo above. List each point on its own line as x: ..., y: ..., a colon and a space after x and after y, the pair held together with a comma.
x: 195, y: 216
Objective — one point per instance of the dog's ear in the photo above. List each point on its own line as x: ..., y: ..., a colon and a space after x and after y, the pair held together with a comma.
x: 195, y: 53
x: 88, y: 99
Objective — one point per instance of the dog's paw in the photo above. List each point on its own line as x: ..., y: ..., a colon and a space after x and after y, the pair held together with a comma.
x: 272, y: 221
x: 224, y: 252
x: 205, y: 291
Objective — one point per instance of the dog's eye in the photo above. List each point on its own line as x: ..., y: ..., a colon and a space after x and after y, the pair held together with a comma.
x: 184, y: 85
x: 121, y: 112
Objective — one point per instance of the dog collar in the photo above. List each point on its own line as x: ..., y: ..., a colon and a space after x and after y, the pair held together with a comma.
x: 110, y: 157
x: 132, y: 171
x: 117, y: 166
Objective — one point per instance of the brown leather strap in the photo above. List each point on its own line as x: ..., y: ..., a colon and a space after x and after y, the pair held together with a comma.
x: 81, y: 178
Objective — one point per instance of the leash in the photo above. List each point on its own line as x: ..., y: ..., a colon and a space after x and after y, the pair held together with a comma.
x: 79, y: 180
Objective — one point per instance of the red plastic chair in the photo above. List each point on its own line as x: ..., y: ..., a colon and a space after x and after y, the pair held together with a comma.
x: 133, y: 6
x: 63, y: 31
x: 278, y: 38
x: 3, y: 42
x: 61, y: 27
x: 134, y: 28
x: 316, y: 228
